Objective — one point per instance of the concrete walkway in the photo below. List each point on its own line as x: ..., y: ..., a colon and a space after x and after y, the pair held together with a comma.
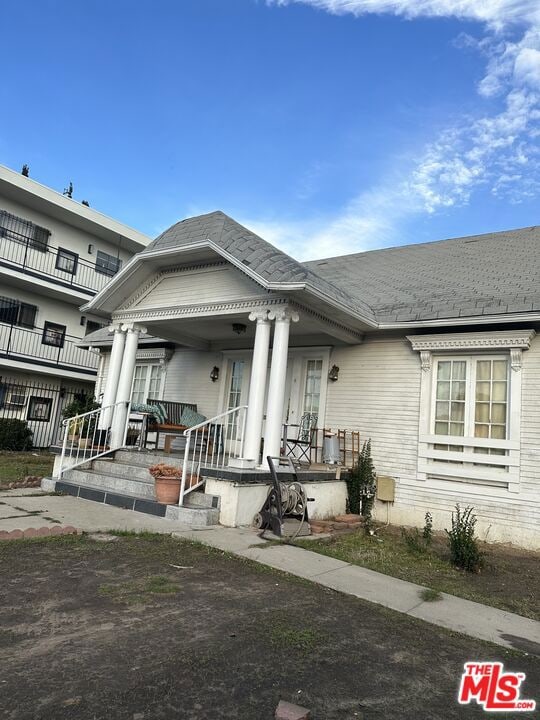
x: 21, y: 509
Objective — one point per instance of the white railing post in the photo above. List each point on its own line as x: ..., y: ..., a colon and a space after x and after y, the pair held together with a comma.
x: 230, y: 436
x: 184, y: 469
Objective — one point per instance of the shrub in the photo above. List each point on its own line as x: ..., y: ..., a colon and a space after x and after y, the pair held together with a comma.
x: 15, y: 435
x: 361, y: 484
x: 463, y: 544
x: 82, y: 403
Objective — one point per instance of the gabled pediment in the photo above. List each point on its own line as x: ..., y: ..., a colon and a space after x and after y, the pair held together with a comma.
x: 211, y: 283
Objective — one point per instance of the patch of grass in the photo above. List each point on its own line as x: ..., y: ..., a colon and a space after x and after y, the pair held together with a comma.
x: 430, y: 595
x: 509, y: 580
x: 15, y: 466
x: 303, y: 639
x: 137, y: 591
x: 50, y: 519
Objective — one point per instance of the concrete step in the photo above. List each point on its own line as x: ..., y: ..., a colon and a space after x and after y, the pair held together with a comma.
x: 194, y: 516
x: 120, y: 469
x: 145, y: 458
x: 111, y: 483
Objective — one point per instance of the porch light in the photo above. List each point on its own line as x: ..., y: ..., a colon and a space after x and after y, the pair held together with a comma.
x: 214, y: 375
x: 239, y: 328
x: 334, y: 373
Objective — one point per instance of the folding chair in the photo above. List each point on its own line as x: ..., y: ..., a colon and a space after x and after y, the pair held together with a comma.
x: 299, y: 448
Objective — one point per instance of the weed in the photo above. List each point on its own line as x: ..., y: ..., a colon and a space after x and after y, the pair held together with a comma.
x: 413, y: 540
x: 463, y: 544
x: 427, y: 532
x: 430, y: 595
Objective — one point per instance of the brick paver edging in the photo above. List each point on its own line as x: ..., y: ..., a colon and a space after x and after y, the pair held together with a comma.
x: 39, y: 532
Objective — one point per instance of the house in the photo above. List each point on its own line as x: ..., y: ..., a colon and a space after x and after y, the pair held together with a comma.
x: 428, y: 349
x: 55, y: 255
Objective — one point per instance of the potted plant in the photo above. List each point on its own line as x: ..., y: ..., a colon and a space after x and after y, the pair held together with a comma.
x: 81, y: 403
x: 167, y: 479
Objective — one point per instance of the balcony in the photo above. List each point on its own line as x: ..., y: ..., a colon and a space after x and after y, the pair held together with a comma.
x: 49, y: 263
x: 26, y: 345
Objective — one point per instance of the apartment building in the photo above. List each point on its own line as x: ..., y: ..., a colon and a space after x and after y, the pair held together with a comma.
x: 55, y: 255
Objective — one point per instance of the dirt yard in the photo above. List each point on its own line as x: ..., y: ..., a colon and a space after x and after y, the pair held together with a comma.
x: 113, y: 631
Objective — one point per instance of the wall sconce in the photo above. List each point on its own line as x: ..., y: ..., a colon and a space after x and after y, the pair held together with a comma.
x: 83, y: 320
x: 334, y: 373
x: 90, y: 249
x: 239, y: 328
x: 214, y: 375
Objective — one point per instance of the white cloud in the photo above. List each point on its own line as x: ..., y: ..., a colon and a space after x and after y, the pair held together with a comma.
x: 496, y: 151
x: 496, y: 13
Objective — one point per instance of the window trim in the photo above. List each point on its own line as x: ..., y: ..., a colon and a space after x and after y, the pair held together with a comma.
x: 53, y: 326
x: 67, y: 255
x: 475, y: 469
x: 35, y: 399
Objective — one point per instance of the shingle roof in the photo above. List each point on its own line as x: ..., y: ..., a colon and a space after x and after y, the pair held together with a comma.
x: 490, y: 274
x: 271, y: 264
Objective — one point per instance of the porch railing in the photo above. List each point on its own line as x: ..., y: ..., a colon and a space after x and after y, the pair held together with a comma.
x: 212, y: 444
x: 87, y: 436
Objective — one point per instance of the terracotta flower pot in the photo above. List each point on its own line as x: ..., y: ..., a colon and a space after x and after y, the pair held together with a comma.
x: 168, y: 489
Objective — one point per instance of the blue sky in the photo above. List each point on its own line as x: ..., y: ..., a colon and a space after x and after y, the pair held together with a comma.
x: 329, y: 126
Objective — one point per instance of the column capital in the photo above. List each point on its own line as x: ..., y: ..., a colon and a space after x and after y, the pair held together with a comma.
x: 259, y: 315
x: 133, y: 327
x: 283, y: 314
x: 115, y: 328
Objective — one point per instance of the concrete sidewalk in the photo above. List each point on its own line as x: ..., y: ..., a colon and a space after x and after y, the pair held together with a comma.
x: 22, y: 509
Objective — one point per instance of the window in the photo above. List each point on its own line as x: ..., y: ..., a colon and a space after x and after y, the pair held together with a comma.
x: 312, y: 387
x: 39, y: 409
x: 107, y: 264
x: 471, y: 397
x: 15, y: 312
x: 67, y: 261
x: 53, y: 334
x: 235, y: 388
x: 21, y: 230
x: 146, y: 383
x: 15, y: 396
x: 92, y: 326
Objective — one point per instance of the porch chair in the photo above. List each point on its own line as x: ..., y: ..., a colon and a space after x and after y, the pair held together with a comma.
x: 299, y: 448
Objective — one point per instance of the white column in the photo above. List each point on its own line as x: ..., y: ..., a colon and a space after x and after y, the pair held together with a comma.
x: 276, y: 386
x: 123, y: 394
x: 113, y: 374
x: 257, y: 385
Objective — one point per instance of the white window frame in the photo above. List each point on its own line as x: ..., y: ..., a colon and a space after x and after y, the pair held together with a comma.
x: 468, y: 466
x: 149, y: 366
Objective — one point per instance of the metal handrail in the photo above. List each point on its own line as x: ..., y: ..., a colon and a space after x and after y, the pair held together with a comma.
x: 96, y: 437
x: 34, y: 258
x: 20, y: 342
x: 229, y: 444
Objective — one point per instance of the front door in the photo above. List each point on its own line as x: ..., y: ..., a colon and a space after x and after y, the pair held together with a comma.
x: 237, y: 389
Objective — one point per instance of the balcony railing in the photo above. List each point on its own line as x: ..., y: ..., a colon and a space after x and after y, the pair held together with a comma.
x: 26, y: 345
x: 42, y: 260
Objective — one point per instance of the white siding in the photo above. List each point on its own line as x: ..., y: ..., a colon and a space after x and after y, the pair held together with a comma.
x: 210, y: 284
x: 188, y: 379
x: 378, y: 393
